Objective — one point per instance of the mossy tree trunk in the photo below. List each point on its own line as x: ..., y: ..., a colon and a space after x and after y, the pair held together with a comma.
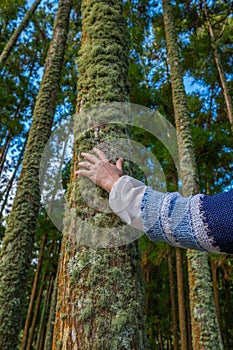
x: 181, y: 303
x: 13, y: 39
x: 100, y: 303
x: 173, y: 301
x: 214, y: 269
x: 33, y: 294
x: 205, y: 330
x: 17, y: 244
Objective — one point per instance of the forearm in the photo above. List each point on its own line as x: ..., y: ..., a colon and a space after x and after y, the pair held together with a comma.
x: 195, y: 222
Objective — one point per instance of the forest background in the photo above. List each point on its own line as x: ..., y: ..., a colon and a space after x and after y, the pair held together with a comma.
x: 204, y: 33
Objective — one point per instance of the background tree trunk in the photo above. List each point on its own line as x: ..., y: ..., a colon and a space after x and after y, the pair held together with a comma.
x: 52, y: 311
x: 225, y: 90
x: 33, y: 294
x: 5, y: 194
x: 18, y: 240
x: 173, y: 302
x: 181, y: 303
x: 36, y: 313
x: 205, y: 330
x: 214, y: 267
x: 13, y: 39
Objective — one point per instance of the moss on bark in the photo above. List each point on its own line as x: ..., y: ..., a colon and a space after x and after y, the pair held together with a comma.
x: 205, y: 330
x: 18, y: 241
x: 101, y: 291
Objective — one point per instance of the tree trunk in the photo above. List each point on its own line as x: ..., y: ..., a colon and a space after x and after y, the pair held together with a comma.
x: 4, y: 151
x: 181, y: 303
x: 33, y: 294
x: 42, y: 327
x: 5, y: 194
x: 52, y: 311
x: 100, y: 302
x: 215, y: 289
x: 173, y: 302
x: 35, y: 313
x: 205, y: 330
x: 225, y: 90
x: 13, y: 39
x: 18, y: 240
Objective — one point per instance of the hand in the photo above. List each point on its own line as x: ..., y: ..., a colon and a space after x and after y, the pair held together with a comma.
x: 99, y: 170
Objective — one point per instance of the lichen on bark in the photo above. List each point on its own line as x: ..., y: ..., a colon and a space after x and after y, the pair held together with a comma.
x: 205, y: 330
x: 17, y: 244
x: 100, y: 289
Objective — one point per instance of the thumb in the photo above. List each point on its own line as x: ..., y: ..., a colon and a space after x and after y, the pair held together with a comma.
x: 119, y: 163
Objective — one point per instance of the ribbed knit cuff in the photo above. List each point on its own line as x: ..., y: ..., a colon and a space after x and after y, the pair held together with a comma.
x: 168, y: 218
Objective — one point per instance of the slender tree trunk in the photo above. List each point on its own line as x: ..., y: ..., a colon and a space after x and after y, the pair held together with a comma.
x: 215, y: 289
x: 205, y: 330
x: 4, y: 151
x: 6, y: 192
x: 173, y: 303
x: 189, y: 330
x: 13, y: 39
x: 100, y: 304
x: 33, y: 294
x: 181, y: 303
x: 35, y: 313
x: 42, y: 326
x: 146, y: 276
x: 52, y: 311
x: 225, y: 90
x: 18, y: 240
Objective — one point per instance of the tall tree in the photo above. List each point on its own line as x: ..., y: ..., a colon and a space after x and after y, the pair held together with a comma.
x: 18, y: 240
x: 205, y: 330
x: 181, y: 306
x: 100, y: 303
x: 173, y: 301
x: 13, y: 39
x: 33, y: 294
x: 225, y: 89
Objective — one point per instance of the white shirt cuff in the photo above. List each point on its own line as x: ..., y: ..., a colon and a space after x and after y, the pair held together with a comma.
x: 125, y: 200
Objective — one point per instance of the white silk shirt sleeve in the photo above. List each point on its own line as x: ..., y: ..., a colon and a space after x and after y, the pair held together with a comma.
x: 125, y: 200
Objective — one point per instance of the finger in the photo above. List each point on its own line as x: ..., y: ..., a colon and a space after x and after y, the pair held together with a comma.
x: 119, y: 163
x: 90, y: 157
x: 86, y: 165
x: 100, y: 153
x: 82, y: 173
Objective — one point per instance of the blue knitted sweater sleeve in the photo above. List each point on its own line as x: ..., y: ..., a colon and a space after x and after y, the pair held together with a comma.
x: 198, y: 222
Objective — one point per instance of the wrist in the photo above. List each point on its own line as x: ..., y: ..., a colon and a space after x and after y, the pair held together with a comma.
x: 109, y: 184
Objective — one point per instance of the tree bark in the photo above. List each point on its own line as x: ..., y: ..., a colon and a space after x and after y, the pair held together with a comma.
x: 42, y: 326
x: 18, y: 240
x: 181, y: 303
x: 33, y: 294
x: 205, y: 330
x: 52, y: 311
x: 35, y: 313
x: 215, y: 289
x: 100, y: 302
x: 173, y: 303
x: 13, y: 39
